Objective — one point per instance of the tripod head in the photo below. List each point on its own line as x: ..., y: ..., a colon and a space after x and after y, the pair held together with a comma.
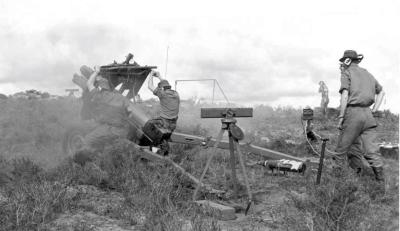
x: 225, y: 112
x: 228, y: 120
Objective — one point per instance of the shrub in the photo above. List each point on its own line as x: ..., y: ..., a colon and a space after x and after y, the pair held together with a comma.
x: 31, y: 199
x: 340, y: 202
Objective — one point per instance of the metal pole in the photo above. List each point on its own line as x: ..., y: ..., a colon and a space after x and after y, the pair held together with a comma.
x: 321, y: 160
x: 233, y: 166
x: 166, y: 64
x: 223, y: 92
x: 212, y: 102
x: 219, y: 138
x: 244, y: 172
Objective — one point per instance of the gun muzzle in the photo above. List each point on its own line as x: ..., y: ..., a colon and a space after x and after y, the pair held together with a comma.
x: 128, y: 58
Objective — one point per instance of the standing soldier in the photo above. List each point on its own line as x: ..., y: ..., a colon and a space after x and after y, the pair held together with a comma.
x: 323, y: 89
x: 169, y: 102
x: 359, y: 90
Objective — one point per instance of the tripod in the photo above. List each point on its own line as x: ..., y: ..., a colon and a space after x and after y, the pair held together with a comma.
x: 235, y: 134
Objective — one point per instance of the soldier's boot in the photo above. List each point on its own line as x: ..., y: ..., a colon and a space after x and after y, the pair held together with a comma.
x: 379, y: 174
x: 164, y: 148
x: 357, y: 169
x: 357, y: 164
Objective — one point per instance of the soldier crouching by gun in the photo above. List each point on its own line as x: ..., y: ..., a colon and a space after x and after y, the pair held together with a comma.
x: 169, y: 102
x: 110, y: 111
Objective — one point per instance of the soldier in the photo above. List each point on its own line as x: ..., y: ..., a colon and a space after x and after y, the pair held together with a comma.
x: 359, y: 90
x: 169, y: 102
x: 111, y: 111
x: 323, y: 89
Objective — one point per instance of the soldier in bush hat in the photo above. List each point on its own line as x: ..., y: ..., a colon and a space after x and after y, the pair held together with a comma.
x: 350, y: 56
x: 359, y: 90
x: 169, y: 102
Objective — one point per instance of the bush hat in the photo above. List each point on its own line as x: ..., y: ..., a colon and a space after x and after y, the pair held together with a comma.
x: 163, y: 83
x: 352, y: 55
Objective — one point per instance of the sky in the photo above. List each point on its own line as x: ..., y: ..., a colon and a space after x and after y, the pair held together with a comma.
x: 260, y: 52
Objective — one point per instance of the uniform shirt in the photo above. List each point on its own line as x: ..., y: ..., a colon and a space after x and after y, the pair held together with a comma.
x: 362, y: 86
x: 110, y: 107
x: 169, y: 101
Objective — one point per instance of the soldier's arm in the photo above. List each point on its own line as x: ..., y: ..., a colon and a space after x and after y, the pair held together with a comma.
x: 378, y: 101
x: 344, y: 97
x: 379, y: 94
x: 92, y: 78
x: 156, y: 90
x: 344, y: 91
x: 150, y: 82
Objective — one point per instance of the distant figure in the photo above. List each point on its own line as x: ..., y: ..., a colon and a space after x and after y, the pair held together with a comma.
x: 323, y: 89
x: 359, y: 90
x: 169, y: 102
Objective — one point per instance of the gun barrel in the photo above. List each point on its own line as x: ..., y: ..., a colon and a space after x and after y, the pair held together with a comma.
x: 128, y: 58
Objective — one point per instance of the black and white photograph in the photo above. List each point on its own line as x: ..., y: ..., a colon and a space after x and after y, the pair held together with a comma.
x: 199, y: 115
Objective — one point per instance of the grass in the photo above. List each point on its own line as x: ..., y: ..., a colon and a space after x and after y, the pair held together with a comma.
x: 33, y: 200
x: 344, y: 201
x: 156, y: 196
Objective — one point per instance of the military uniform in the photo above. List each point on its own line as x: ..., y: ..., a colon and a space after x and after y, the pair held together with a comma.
x: 110, y: 111
x: 359, y: 126
x: 169, y: 102
x: 111, y: 114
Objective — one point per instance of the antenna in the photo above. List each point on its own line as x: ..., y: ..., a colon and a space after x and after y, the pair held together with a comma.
x: 166, y: 63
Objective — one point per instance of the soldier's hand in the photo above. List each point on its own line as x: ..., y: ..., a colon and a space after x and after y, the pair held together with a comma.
x: 340, y: 123
x: 156, y: 74
x: 97, y: 69
x: 375, y: 113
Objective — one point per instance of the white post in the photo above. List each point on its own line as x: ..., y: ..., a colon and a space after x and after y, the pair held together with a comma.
x: 166, y: 64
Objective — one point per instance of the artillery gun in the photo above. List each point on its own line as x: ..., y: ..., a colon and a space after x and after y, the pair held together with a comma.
x: 130, y: 77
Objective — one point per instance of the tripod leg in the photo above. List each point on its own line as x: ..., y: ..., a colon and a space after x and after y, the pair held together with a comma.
x: 244, y: 175
x: 219, y: 138
x: 233, y: 167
